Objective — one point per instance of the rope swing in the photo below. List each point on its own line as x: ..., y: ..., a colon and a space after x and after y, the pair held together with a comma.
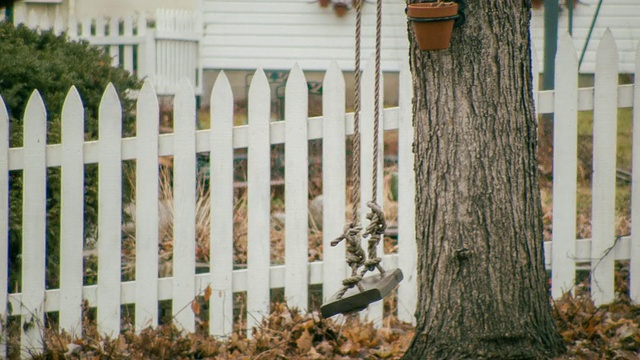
x: 371, y: 288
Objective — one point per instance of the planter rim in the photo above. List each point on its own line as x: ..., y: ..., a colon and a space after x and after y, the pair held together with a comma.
x: 428, y: 10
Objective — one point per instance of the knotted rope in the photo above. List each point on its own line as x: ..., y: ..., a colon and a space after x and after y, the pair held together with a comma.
x: 355, y: 256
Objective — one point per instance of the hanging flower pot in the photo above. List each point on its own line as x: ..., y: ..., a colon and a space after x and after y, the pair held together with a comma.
x: 432, y: 23
x: 340, y: 8
x: 324, y: 3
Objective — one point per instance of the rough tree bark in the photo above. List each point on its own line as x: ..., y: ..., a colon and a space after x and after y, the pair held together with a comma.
x: 482, y: 285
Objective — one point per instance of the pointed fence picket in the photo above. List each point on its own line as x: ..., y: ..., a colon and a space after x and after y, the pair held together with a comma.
x: 634, y: 266
x: 34, y: 199
x: 110, y: 151
x: 604, y: 170
x: 109, y: 212
x: 334, y: 185
x: 296, y: 152
x: 184, y: 205
x: 221, y: 186
x: 259, y: 200
x: 4, y: 220
x: 407, y: 248
x: 146, y: 210
x: 565, y: 167
x: 72, y: 209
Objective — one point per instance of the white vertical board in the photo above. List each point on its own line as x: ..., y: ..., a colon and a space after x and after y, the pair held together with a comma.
x: 259, y: 200
x: 296, y: 151
x: 86, y: 27
x: 45, y: 22
x: 161, y: 69
x: 128, y: 49
x: 407, y: 291
x: 184, y: 205
x: 4, y: 220
x: 535, y: 73
x: 162, y: 56
x: 114, y: 50
x: 367, y: 156
x: 100, y: 31
x: 333, y: 179
x: 34, y: 213
x: 72, y: 29
x: 221, y: 187
x: 109, y: 212
x: 72, y: 214
x: 634, y: 271
x: 565, y: 155
x: 58, y: 24
x: 146, y: 60
x: 19, y: 13
x: 32, y: 20
x: 147, y: 213
x: 604, y: 170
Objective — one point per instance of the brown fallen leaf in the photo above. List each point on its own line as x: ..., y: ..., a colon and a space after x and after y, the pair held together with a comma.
x: 195, y: 307
x: 304, y: 342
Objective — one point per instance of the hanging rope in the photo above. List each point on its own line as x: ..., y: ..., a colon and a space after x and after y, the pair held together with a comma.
x: 377, y: 225
x: 355, y: 140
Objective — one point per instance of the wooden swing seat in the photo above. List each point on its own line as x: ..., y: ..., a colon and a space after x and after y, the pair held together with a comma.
x: 375, y: 288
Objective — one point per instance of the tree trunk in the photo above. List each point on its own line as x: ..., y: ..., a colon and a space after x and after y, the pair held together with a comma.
x: 483, y: 291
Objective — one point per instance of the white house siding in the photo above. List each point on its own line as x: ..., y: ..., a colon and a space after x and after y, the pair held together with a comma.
x: 82, y: 9
x: 621, y: 16
x: 275, y: 34
x: 121, y: 8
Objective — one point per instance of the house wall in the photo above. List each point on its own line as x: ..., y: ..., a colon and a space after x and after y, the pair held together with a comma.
x: 99, y: 8
x: 275, y: 34
x: 243, y: 35
x: 95, y: 8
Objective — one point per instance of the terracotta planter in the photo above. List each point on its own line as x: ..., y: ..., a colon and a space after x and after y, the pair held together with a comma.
x: 340, y: 9
x: 432, y: 24
x: 324, y: 3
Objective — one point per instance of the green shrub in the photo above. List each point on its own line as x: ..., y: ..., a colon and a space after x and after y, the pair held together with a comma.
x: 51, y: 64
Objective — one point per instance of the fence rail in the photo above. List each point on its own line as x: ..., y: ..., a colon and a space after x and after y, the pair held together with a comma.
x: 260, y: 276
x: 165, y: 49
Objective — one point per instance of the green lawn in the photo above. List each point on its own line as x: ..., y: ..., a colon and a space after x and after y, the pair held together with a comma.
x: 623, y: 163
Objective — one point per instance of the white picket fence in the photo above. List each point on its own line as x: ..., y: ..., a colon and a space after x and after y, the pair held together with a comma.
x: 604, y: 248
x: 165, y: 52
x: 220, y: 141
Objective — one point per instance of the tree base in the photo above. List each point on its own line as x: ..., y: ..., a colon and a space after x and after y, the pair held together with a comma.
x: 503, y: 348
